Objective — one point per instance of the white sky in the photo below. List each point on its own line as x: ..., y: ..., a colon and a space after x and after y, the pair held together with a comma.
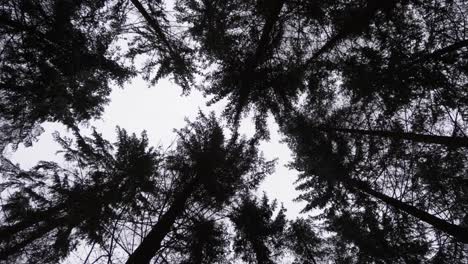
x: 159, y: 110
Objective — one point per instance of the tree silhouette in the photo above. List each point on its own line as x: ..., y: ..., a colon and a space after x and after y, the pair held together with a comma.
x: 52, y: 207
x: 305, y: 243
x: 368, y: 78
x: 333, y: 174
x: 205, y: 242
x: 258, y: 235
x: 369, y: 95
x: 56, y: 64
x: 211, y: 170
x: 169, y: 55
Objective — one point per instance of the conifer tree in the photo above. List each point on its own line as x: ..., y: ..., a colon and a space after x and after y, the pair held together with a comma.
x: 259, y: 235
x: 56, y: 63
x: 51, y: 207
x: 370, y: 96
x: 111, y: 187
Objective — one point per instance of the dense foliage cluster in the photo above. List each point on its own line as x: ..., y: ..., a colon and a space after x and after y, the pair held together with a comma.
x: 371, y: 97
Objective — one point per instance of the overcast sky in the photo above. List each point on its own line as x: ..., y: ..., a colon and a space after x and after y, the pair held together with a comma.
x: 159, y: 110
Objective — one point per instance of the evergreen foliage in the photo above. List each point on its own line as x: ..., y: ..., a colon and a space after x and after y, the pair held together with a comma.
x: 371, y: 97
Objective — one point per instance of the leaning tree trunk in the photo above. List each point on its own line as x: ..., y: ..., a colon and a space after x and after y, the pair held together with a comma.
x: 260, y: 54
x: 430, y: 139
x: 261, y: 253
x: 440, y: 52
x: 458, y: 232
x: 354, y: 25
x: 154, y: 24
x: 152, y: 242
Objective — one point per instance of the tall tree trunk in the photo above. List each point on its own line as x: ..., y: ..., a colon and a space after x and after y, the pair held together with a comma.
x: 162, y: 37
x: 152, y: 242
x: 261, y: 252
x: 154, y: 24
x: 259, y: 56
x: 458, y: 232
x: 441, y: 140
x: 441, y: 52
x: 355, y: 24
x: 265, y: 39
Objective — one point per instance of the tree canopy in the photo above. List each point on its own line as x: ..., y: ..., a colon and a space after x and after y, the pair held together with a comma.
x: 370, y: 96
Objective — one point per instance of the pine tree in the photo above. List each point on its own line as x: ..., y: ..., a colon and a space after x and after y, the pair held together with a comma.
x: 369, y: 95
x: 305, y: 243
x: 56, y: 63
x: 338, y: 174
x: 53, y: 206
x: 259, y: 235
x: 379, y: 81
x: 212, y: 170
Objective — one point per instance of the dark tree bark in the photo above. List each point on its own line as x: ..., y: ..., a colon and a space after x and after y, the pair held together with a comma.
x: 440, y: 52
x: 261, y: 253
x: 430, y: 139
x: 458, y: 232
x: 355, y: 24
x: 265, y: 38
x: 152, y: 242
x: 154, y: 24
x: 260, y: 54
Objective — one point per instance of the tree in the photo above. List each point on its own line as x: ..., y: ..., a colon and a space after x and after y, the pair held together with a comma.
x: 211, y: 171
x: 258, y: 235
x: 109, y: 186
x: 368, y: 94
x: 378, y: 239
x: 305, y: 243
x: 334, y: 173
x: 204, y: 242
x: 277, y: 55
x: 414, y: 137
x: 365, y: 75
x: 52, y: 207
x: 242, y: 38
x: 155, y: 38
x: 56, y: 63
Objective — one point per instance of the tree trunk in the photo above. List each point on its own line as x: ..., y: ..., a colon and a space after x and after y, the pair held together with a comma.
x: 261, y: 253
x: 259, y: 56
x: 162, y: 37
x: 441, y: 140
x: 440, y: 52
x: 265, y: 38
x: 154, y: 24
x: 355, y: 24
x: 152, y: 242
x: 458, y: 232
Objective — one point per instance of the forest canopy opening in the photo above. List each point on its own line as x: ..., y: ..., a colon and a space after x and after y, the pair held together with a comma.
x: 371, y: 97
